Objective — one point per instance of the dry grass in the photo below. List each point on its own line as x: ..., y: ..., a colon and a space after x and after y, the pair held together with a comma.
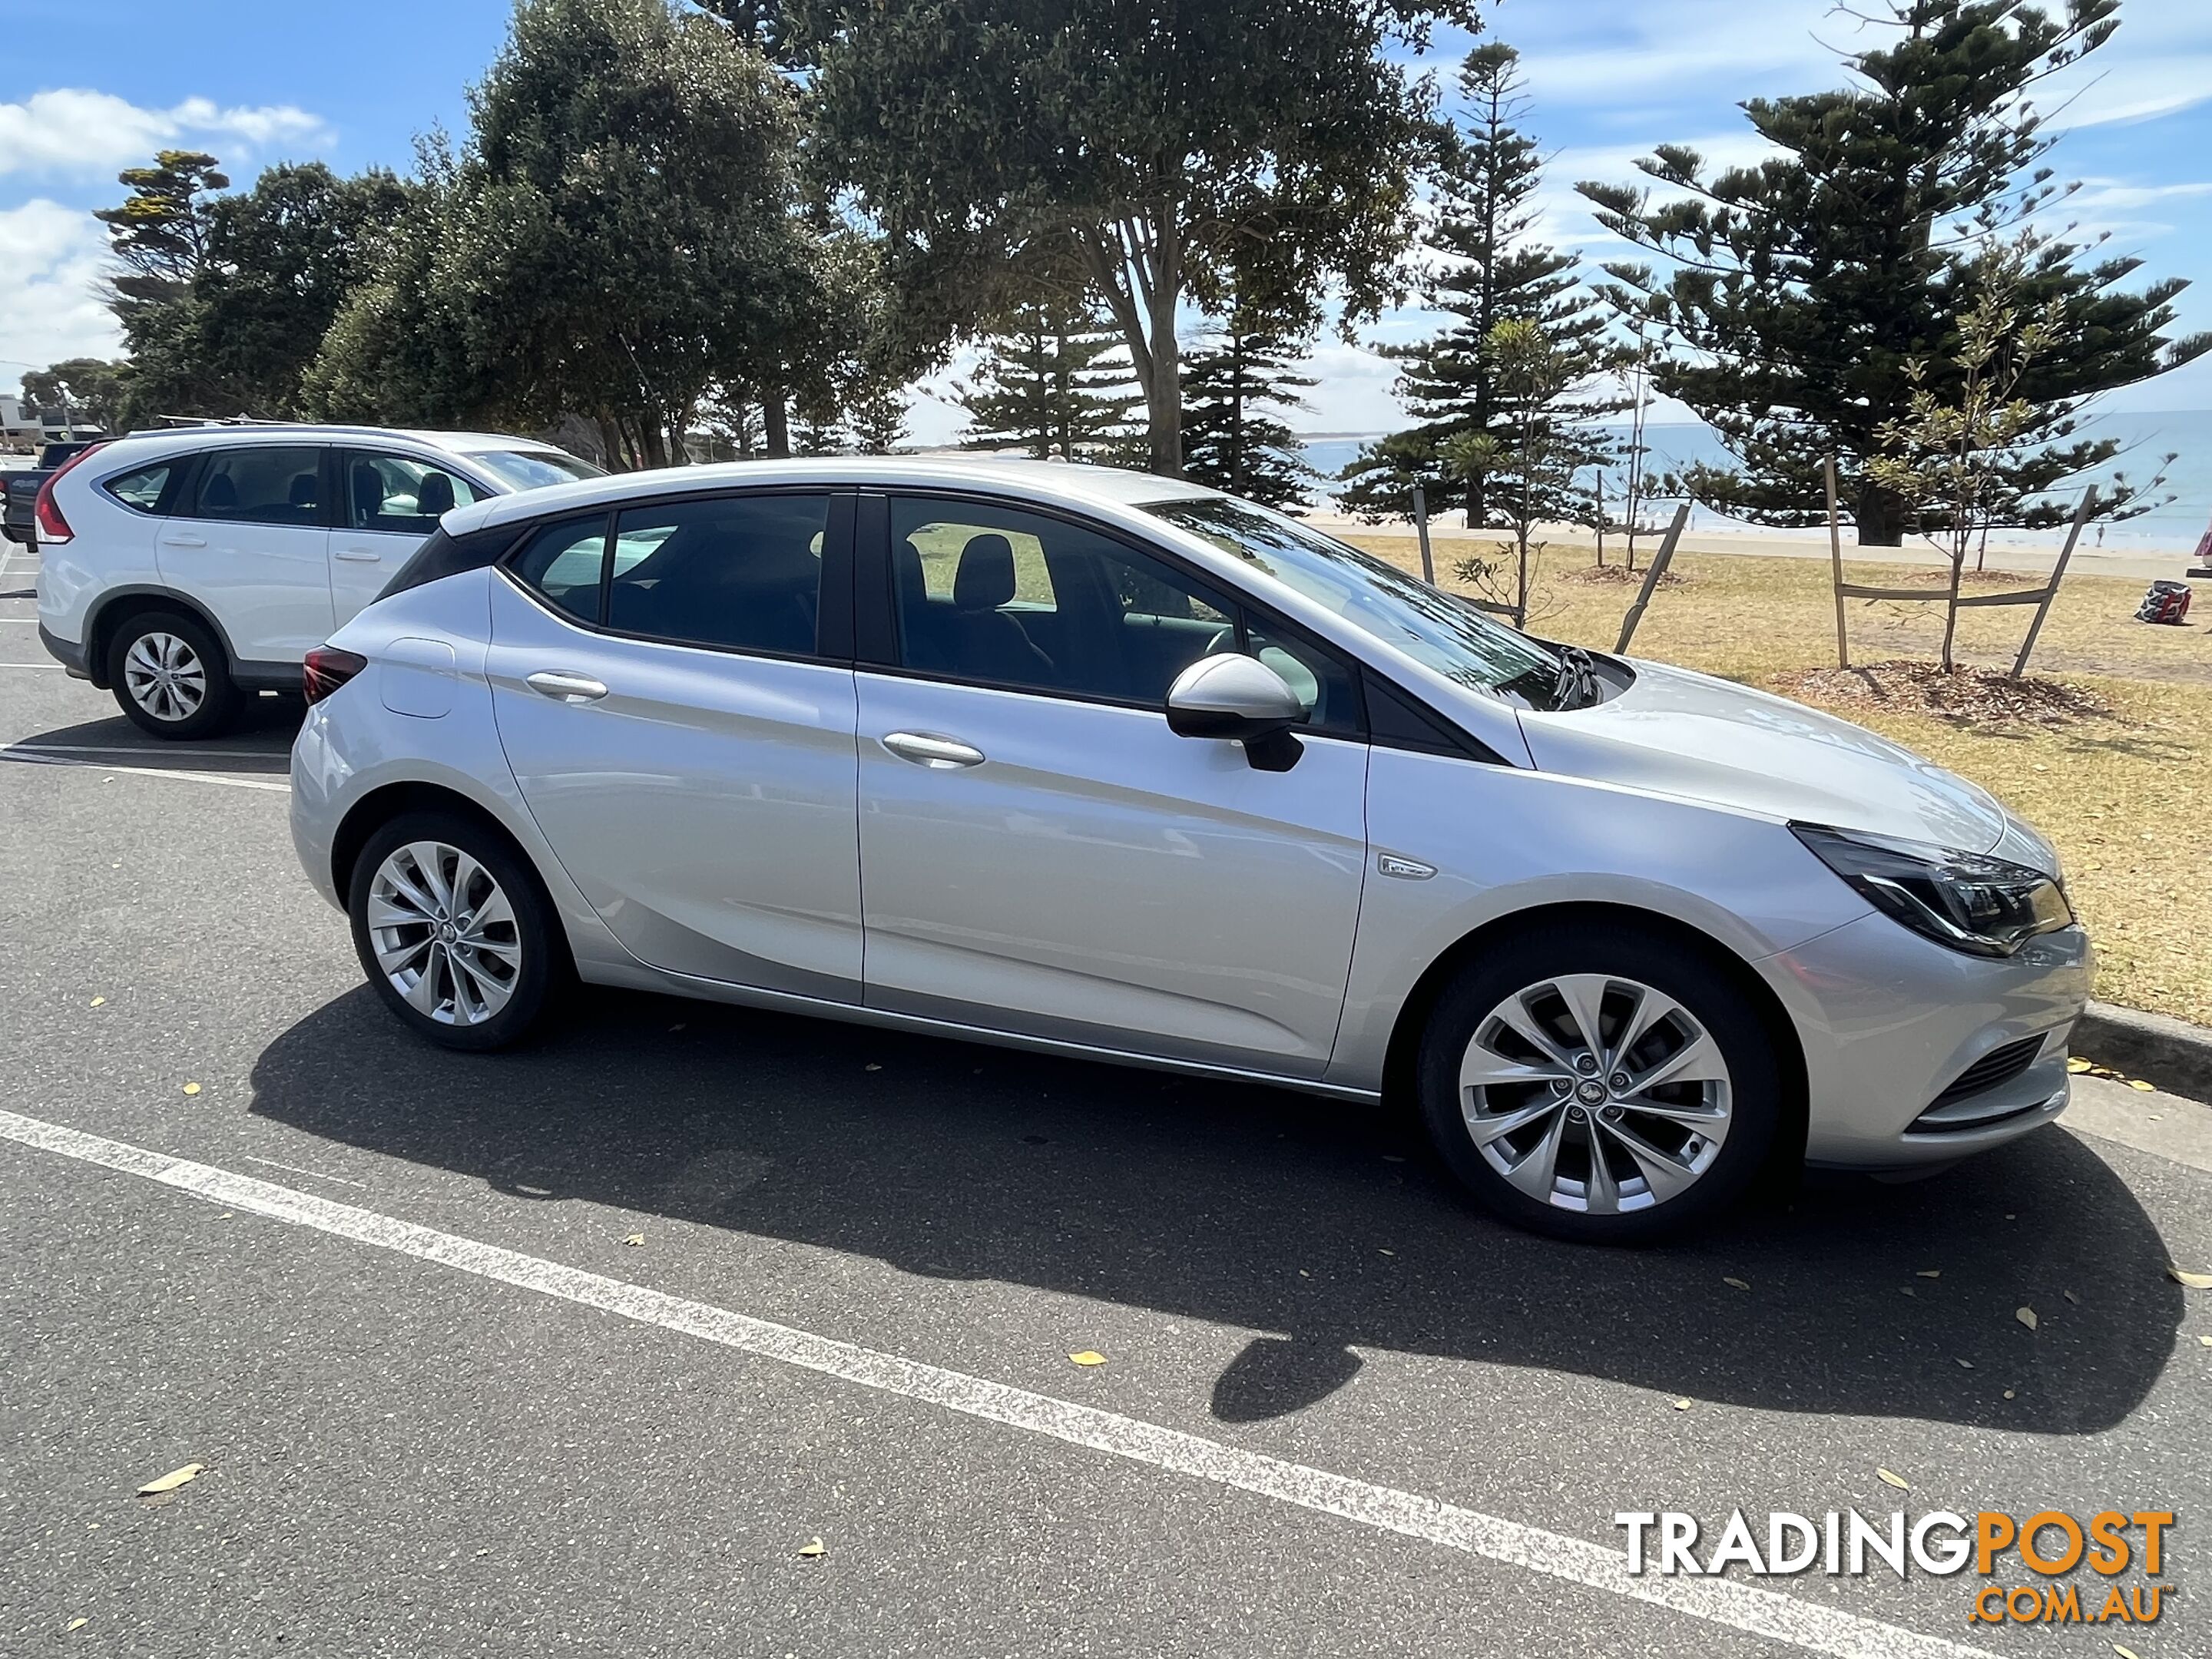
x: 2126, y: 794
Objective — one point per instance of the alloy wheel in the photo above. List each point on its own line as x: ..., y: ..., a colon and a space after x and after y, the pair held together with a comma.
x: 444, y: 933
x: 1595, y: 1093
x: 165, y: 676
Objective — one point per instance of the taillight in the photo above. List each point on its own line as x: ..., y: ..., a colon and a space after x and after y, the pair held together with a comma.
x: 53, y: 527
x: 328, y: 668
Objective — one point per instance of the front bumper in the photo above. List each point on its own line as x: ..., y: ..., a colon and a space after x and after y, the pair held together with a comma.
x: 1889, y: 1021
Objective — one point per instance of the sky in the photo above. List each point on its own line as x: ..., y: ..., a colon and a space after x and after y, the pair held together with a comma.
x: 89, y: 88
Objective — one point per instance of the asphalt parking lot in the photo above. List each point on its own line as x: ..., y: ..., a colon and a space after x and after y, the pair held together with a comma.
x: 389, y: 1298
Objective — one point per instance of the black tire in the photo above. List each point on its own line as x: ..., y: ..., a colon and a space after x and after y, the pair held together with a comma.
x: 544, y: 970
x: 166, y: 633
x: 1691, y: 976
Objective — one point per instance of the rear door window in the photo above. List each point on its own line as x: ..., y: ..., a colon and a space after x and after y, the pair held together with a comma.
x: 739, y: 572
x: 273, y: 483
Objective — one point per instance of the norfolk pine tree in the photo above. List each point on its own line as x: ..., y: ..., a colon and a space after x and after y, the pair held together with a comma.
x: 1806, y: 284
x: 1488, y: 270
x: 1234, y: 436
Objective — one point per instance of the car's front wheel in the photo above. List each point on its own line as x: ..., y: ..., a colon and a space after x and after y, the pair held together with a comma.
x: 454, y: 931
x: 170, y: 676
x: 1607, y: 1083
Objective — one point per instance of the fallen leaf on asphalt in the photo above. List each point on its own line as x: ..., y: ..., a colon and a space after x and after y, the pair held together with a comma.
x: 172, y: 1480
x: 2205, y: 1341
x: 1682, y: 1405
x: 811, y: 1548
x: 75, y: 1624
x: 1303, y: 1274
x: 1967, y: 1364
x: 2125, y: 1653
x: 2011, y: 1394
x: 871, y: 1066
x: 2137, y: 1083
x: 191, y: 1088
x: 1929, y: 1272
x: 635, y: 1238
x: 1904, y: 1290
x: 2077, y: 1065
x: 1383, y: 1252
x: 96, y: 1001
x: 1088, y: 1357
x: 2026, y: 1315
x: 2071, y: 1296
x: 1896, y: 1480
x: 2195, y: 1281
x: 1738, y: 1283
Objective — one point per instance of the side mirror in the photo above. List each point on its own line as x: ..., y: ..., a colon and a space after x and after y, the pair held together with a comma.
x: 1241, y: 700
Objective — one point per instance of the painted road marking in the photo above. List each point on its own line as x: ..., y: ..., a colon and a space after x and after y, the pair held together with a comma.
x: 32, y: 758
x: 1741, y: 1606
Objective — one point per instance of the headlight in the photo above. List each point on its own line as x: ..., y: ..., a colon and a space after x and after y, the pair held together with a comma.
x: 1982, y: 906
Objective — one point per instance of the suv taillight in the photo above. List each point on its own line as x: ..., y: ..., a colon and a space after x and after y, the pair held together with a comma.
x: 328, y: 668
x: 54, y: 529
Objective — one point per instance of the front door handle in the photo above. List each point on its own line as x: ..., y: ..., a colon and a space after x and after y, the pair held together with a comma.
x: 938, y: 754
x: 183, y: 539
x: 563, y: 687
x: 360, y: 555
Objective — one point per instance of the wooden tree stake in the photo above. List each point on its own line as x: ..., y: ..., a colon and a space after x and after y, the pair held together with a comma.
x: 2051, y: 592
x: 1651, y: 575
x: 1836, y: 566
x: 1421, y: 529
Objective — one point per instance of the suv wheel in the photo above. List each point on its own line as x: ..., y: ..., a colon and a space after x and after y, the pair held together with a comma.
x: 454, y: 931
x: 170, y: 676
x: 1600, y: 1084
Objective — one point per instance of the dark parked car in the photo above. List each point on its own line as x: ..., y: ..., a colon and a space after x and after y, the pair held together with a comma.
x: 22, y: 489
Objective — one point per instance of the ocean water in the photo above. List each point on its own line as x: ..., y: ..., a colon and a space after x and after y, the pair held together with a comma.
x: 2174, y: 526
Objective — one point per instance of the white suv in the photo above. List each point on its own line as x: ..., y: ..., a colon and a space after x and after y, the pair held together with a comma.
x: 182, y: 568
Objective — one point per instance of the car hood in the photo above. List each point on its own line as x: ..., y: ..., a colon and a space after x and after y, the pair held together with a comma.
x: 1690, y: 735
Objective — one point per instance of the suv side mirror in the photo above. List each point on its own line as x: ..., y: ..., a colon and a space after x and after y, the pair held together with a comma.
x: 1241, y: 700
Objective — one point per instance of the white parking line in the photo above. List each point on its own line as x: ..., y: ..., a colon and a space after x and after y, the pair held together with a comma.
x: 33, y: 758
x: 1746, y: 1607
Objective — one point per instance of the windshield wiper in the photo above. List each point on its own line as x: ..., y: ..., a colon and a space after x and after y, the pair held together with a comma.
x: 1577, y: 686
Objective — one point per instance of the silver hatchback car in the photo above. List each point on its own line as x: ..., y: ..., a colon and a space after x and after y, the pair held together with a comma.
x: 1101, y: 764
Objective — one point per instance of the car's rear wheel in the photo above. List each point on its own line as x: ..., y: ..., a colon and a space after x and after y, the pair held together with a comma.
x: 170, y: 676
x: 1608, y: 1085
x: 454, y: 931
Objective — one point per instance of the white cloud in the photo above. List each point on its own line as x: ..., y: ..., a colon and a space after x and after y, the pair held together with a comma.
x: 76, y: 133
x: 53, y: 255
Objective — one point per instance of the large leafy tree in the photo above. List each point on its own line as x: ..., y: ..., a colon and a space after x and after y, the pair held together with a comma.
x: 1052, y: 381
x: 1236, y: 391
x: 1266, y: 145
x: 622, y: 233
x: 1488, y: 269
x: 1804, y: 287
x: 159, y: 233
x: 276, y: 264
x: 92, y: 388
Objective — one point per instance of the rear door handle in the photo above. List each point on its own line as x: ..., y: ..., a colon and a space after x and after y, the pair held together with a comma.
x: 567, y: 687
x: 360, y: 555
x: 938, y: 754
x: 184, y: 540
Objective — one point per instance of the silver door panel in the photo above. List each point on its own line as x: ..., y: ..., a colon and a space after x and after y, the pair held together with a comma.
x: 704, y: 805
x: 1096, y: 879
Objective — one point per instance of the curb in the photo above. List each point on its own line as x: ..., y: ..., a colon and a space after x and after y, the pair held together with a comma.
x: 2171, y: 1052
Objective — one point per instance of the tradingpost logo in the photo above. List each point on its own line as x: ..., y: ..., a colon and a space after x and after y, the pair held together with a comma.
x: 2021, y: 1559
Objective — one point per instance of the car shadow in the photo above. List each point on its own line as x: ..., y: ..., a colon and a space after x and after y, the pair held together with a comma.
x: 1205, y: 1199
x: 257, y: 742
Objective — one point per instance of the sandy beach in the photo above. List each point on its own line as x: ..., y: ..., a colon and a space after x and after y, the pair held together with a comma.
x: 1451, y: 542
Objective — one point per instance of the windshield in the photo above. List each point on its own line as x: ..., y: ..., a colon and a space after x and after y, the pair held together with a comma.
x: 534, y: 469
x: 1432, y: 627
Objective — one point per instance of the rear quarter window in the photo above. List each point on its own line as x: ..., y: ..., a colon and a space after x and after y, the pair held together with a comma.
x: 141, y: 490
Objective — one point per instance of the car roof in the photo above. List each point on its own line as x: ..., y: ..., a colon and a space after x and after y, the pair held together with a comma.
x: 1072, y: 484
x: 453, y: 443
